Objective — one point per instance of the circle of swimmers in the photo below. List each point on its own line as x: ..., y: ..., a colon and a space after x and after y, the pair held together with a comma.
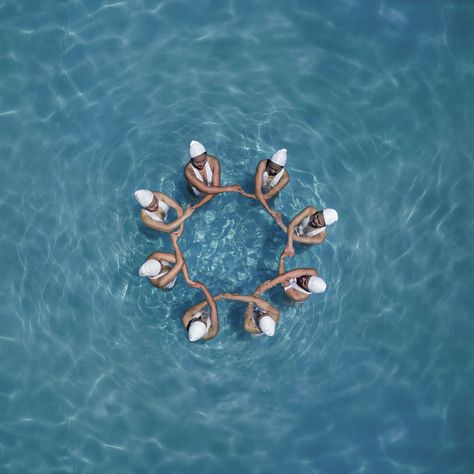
x: 203, y: 175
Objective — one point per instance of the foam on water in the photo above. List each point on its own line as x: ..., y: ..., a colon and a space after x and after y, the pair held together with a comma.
x: 373, y: 101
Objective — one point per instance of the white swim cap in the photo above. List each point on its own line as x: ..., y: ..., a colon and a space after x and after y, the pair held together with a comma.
x: 196, y: 149
x: 144, y: 197
x: 330, y: 216
x: 267, y: 325
x: 279, y: 157
x: 316, y: 285
x: 151, y: 268
x: 196, y: 330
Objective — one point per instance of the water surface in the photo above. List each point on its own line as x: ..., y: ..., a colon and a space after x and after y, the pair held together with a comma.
x: 374, y: 102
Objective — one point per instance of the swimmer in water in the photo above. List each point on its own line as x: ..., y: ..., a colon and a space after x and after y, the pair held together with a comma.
x: 308, y: 227
x: 155, y: 207
x: 299, y: 284
x: 260, y: 317
x: 270, y: 178
x: 201, y: 324
x: 158, y: 267
x: 203, y: 174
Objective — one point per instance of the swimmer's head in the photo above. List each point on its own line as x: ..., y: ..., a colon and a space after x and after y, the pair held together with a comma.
x: 151, y: 268
x: 272, y: 168
x: 144, y: 197
x: 196, y: 149
x: 317, y: 220
x: 267, y: 325
x: 279, y: 157
x: 198, y: 155
x: 196, y: 330
x: 316, y: 285
x: 330, y: 216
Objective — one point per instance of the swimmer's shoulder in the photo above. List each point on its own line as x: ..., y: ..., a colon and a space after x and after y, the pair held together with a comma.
x: 187, y: 169
x: 212, y: 159
x: 159, y: 195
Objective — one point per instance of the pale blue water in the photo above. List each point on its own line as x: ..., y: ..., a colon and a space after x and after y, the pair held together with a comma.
x: 374, y: 102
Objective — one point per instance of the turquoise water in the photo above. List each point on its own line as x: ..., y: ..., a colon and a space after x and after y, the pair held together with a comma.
x: 374, y: 102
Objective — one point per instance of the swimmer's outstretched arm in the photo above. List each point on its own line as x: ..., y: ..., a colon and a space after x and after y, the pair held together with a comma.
x: 317, y: 239
x: 172, y: 203
x: 234, y: 188
x: 291, y: 228
x: 188, y: 280
x: 249, y: 195
x: 211, y: 301
x: 214, y: 329
x: 281, y: 264
x: 216, y: 179
x: 279, y: 220
x: 284, y: 278
x: 179, y: 211
x: 281, y: 268
x: 216, y: 187
x: 185, y: 271
x: 258, y: 188
x: 249, y: 322
x: 203, y: 201
x: 285, y: 179
x: 168, y: 257
x: 197, y: 307
x: 188, y: 315
x: 180, y: 230
x: 260, y: 302
x: 161, y: 226
x: 168, y: 277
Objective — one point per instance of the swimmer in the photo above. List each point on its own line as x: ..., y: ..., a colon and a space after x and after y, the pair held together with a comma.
x: 203, y: 174
x: 199, y: 323
x: 299, y: 284
x: 158, y: 266
x: 270, y: 178
x: 155, y: 206
x: 260, y: 317
x: 308, y: 227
